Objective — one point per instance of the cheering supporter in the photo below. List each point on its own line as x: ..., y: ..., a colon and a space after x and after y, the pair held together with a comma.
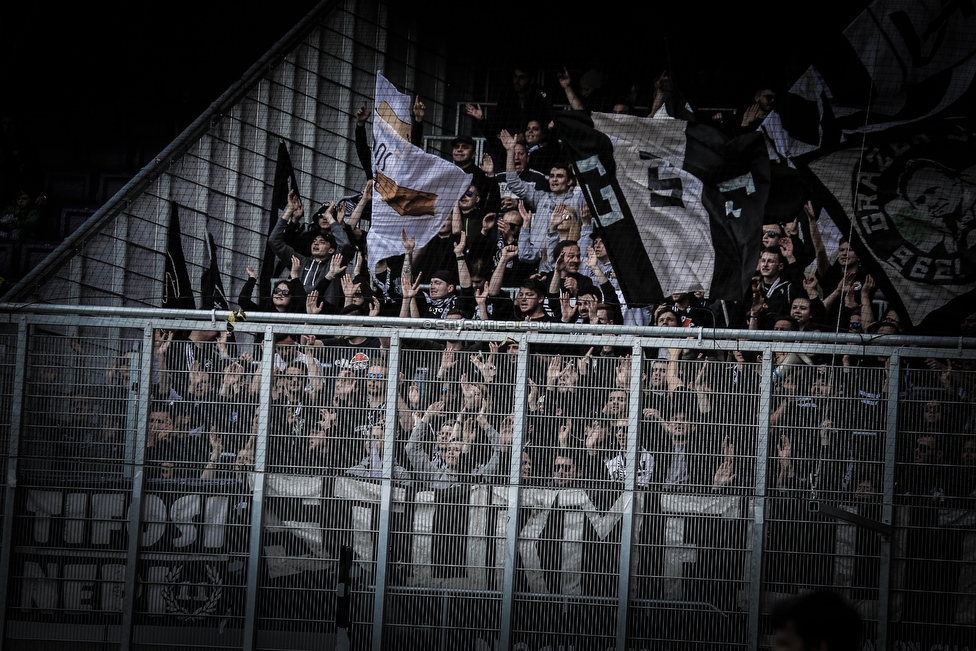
x: 562, y: 189
x: 460, y: 462
x: 286, y: 295
x: 531, y: 177
x: 325, y: 261
x: 771, y: 292
x: 564, y: 277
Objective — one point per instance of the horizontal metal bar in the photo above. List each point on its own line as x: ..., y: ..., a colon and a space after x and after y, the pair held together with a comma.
x: 853, y: 518
x: 686, y: 334
x: 471, y: 330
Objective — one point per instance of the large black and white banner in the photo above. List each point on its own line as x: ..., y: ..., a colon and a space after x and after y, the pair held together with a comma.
x: 680, y: 204
x: 908, y: 196
x: 447, y: 557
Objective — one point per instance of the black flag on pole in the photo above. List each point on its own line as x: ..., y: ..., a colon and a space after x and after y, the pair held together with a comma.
x: 284, y: 180
x: 211, y: 285
x: 177, y: 293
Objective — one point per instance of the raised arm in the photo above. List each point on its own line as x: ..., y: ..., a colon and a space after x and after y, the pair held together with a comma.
x: 498, y: 275
x: 409, y: 308
x: 567, y: 83
x: 283, y: 250
x: 464, y: 276
x: 357, y: 213
x: 823, y: 262
x: 244, y: 300
x: 362, y: 144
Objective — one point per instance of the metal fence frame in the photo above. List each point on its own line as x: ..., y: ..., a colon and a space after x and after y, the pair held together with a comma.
x: 22, y: 317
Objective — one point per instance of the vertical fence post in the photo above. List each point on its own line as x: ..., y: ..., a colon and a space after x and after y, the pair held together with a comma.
x: 630, y: 488
x: 887, y: 512
x: 13, y: 451
x: 257, y: 494
x: 514, y: 482
x: 759, y: 500
x: 138, y: 484
x: 386, y: 494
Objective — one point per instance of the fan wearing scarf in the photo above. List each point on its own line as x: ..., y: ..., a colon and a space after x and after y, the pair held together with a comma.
x: 441, y: 298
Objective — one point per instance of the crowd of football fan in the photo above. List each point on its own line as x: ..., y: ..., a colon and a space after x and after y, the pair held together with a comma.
x: 523, y: 229
x: 530, y: 230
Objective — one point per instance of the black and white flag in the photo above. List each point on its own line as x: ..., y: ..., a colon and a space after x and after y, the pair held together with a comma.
x: 681, y: 205
x: 908, y: 197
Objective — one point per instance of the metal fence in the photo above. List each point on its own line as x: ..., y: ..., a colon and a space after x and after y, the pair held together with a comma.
x: 305, y: 482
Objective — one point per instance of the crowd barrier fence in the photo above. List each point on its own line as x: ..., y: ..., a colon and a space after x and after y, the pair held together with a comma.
x: 581, y: 487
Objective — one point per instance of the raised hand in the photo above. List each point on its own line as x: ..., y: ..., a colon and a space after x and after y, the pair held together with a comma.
x: 251, y: 273
x: 419, y: 110
x: 566, y: 308
x: 565, y: 431
x: 488, y: 222
x: 335, y: 266
x: 564, y: 79
x: 509, y: 252
x: 526, y: 216
x: 409, y: 242
x: 508, y: 140
x: 488, y: 165
x: 555, y: 370
x: 409, y: 289
x: 312, y: 304
x: 475, y: 111
x: 784, y: 450
x: 161, y: 342
x: 591, y: 260
x: 362, y: 114
x: 349, y: 288
x: 295, y: 205
x: 459, y: 247
x: 786, y: 246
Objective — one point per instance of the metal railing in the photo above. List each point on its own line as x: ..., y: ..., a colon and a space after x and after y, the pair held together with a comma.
x: 612, y: 488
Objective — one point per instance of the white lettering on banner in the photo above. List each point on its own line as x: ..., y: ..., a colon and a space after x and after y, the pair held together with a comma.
x: 43, y: 504
x: 79, y: 588
x: 676, y: 551
x: 113, y: 587
x: 577, y: 505
x: 476, y: 544
x: 75, y: 505
x: 181, y: 514
x: 102, y: 513
x: 107, y: 508
x: 41, y: 588
x: 215, y: 521
x: 155, y: 605
x: 153, y: 520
